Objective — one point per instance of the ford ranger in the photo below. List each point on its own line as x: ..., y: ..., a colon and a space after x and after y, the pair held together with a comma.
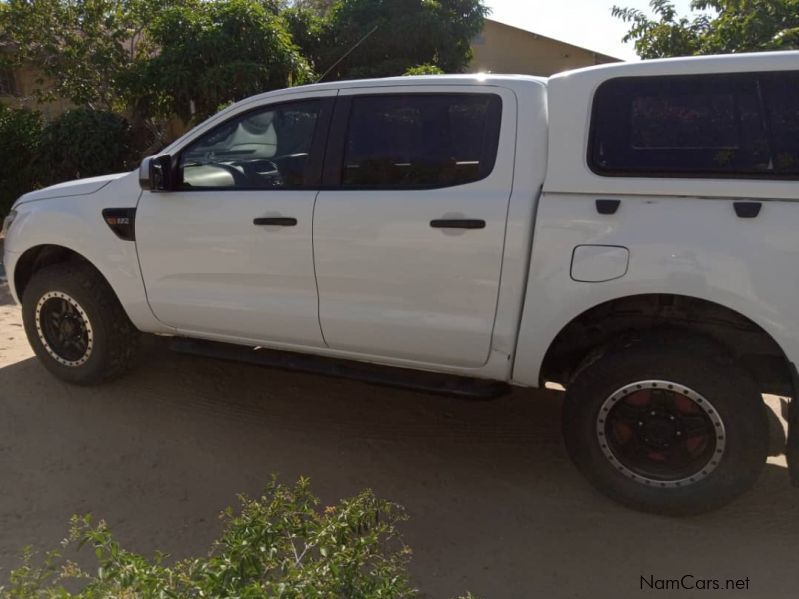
x: 627, y: 231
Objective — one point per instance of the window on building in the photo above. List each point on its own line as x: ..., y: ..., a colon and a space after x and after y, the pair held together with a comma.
x: 7, y: 83
x: 421, y: 140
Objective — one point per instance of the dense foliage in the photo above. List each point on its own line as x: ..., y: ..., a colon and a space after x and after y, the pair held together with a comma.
x: 20, y: 134
x: 81, y: 48
x: 279, y: 545
x: 424, y: 69
x: 395, y: 35
x: 85, y: 143
x: 79, y: 143
x: 716, y: 27
x: 214, y: 53
x: 184, y: 58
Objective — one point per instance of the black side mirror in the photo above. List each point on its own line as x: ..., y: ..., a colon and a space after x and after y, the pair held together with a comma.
x: 155, y: 173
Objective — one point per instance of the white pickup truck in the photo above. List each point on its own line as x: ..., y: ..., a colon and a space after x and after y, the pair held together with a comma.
x: 627, y: 231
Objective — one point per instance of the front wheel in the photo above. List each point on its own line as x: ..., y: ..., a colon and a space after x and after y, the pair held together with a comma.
x: 666, y: 427
x: 76, y: 325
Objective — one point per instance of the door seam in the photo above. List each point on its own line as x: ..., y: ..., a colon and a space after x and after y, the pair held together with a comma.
x: 315, y: 278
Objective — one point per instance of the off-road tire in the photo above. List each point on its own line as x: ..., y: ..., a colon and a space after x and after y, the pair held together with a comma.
x: 115, y: 340
x: 686, y: 361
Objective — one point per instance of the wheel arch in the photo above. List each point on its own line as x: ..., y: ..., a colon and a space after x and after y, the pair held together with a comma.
x: 749, y: 344
x: 39, y: 256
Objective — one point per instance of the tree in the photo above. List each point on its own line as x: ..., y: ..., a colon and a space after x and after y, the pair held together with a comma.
x: 405, y: 34
x: 320, y: 7
x: 214, y: 53
x: 154, y: 57
x: 84, y: 143
x: 20, y: 136
x: 721, y: 26
x: 751, y: 25
x: 82, y: 48
x: 424, y: 69
x: 149, y: 59
x: 85, y: 51
x: 187, y: 57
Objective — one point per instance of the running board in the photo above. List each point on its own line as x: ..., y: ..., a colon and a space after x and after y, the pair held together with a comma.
x: 428, y: 382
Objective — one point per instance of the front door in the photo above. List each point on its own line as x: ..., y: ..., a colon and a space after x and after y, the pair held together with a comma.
x: 408, y: 242
x: 229, y: 253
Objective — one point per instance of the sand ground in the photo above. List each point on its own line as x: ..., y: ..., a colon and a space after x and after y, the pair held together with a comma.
x: 495, y: 505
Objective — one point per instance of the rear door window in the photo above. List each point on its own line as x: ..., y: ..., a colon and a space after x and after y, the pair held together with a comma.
x: 396, y: 141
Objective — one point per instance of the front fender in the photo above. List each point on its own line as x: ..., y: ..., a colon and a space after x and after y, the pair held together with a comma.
x: 76, y: 223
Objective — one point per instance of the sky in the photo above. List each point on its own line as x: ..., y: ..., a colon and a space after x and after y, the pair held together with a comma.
x: 586, y: 23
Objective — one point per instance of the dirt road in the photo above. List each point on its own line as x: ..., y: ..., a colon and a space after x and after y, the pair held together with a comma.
x: 495, y: 505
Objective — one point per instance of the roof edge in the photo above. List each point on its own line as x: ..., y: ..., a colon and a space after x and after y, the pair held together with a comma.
x: 559, y: 41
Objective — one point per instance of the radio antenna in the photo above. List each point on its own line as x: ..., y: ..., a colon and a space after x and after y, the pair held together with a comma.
x: 347, y: 53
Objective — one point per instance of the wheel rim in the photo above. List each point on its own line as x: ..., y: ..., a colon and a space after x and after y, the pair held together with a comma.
x: 64, y: 329
x: 661, y: 433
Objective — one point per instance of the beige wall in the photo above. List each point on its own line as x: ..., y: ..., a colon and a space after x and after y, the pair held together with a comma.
x: 504, y: 49
x: 25, y: 84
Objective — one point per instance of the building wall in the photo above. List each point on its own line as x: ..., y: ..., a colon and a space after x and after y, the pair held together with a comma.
x: 24, y: 84
x: 501, y: 48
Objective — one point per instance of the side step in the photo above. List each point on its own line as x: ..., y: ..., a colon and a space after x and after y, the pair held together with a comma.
x: 429, y: 382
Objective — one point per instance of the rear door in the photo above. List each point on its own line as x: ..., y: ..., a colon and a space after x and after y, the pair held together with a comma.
x: 409, y: 229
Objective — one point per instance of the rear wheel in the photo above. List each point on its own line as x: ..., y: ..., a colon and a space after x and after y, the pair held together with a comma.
x: 76, y: 325
x: 666, y: 426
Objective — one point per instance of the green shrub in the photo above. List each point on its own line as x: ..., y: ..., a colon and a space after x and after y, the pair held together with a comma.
x: 20, y: 133
x: 85, y: 143
x: 279, y: 545
x: 424, y: 69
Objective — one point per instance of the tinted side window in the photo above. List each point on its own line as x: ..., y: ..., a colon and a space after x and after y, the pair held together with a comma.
x: 264, y: 149
x: 781, y: 93
x: 421, y: 140
x: 708, y: 125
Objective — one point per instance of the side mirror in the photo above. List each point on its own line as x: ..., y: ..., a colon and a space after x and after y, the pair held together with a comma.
x: 155, y: 173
